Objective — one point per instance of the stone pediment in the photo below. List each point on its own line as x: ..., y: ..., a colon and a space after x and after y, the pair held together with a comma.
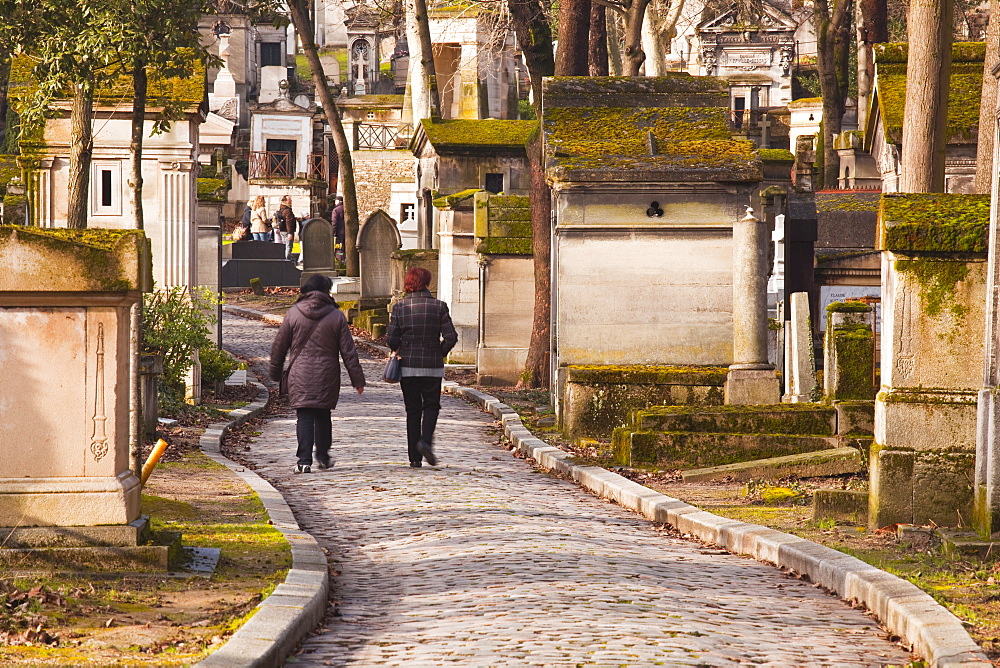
x: 767, y: 18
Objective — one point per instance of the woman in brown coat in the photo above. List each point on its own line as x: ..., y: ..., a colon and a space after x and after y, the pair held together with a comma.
x: 314, y: 335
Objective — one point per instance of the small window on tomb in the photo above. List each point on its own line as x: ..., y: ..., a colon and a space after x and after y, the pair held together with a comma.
x: 407, y: 213
x: 270, y: 54
x: 105, y: 189
x: 494, y: 183
x: 371, y: 115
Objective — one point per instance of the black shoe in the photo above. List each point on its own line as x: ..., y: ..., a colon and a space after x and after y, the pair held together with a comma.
x: 324, y: 463
x: 415, y: 465
x: 303, y: 468
x: 428, y: 452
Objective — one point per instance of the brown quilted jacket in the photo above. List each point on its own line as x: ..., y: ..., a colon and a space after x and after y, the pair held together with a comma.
x: 314, y: 378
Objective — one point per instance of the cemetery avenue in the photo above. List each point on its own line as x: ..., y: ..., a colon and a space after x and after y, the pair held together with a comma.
x: 486, y: 560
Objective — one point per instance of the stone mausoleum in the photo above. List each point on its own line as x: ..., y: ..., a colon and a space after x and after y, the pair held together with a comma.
x: 648, y: 187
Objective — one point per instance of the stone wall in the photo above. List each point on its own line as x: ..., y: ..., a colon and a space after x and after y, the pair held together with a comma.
x: 374, y: 174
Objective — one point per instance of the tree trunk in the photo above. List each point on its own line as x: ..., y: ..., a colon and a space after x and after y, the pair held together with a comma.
x: 4, y: 76
x: 427, y: 56
x: 598, y: 57
x: 535, y: 37
x: 928, y: 68
x: 832, y: 42
x: 615, y: 44
x: 652, y: 48
x: 634, y: 55
x: 81, y: 148
x: 983, y: 183
x: 300, y: 17
x: 536, y: 366
x: 572, y: 53
x: 139, y: 83
x: 417, y: 83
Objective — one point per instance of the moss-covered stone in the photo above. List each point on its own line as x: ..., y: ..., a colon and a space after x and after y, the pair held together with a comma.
x: 64, y: 260
x: 850, y: 306
x: 937, y: 279
x: 840, y: 504
x: 9, y: 169
x: 846, y: 202
x: 640, y: 374
x: 478, y: 133
x: 15, y: 210
x: 935, y: 223
x: 853, y: 354
x: 699, y: 450
x: 775, y: 155
x: 504, y: 246
x: 213, y: 190
x: 964, y: 89
x: 792, y: 419
x: 597, y: 399
x: 448, y: 201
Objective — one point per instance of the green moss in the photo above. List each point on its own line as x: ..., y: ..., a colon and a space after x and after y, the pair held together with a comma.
x: 805, y: 101
x: 849, y: 307
x: 964, y: 89
x: 8, y: 170
x: 415, y: 254
x: 672, y: 83
x: 693, y: 141
x: 470, y: 133
x: 844, y: 202
x: 644, y: 374
x: 92, y: 253
x: 934, y: 223
x: 213, y: 190
x: 961, y: 52
x: 23, y: 85
x: 504, y: 246
x: 446, y: 201
x: 802, y: 419
x: 775, y: 155
x: 14, y: 209
x: 937, y: 279
x: 854, y: 351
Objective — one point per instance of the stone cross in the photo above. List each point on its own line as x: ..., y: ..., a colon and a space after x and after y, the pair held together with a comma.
x: 764, y: 124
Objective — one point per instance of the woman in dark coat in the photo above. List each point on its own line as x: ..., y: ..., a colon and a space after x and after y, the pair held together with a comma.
x: 314, y: 335
x: 422, y: 333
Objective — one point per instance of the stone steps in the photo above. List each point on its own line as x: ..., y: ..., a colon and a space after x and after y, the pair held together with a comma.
x: 792, y: 419
x: 835, y: 461
x: 684, y: 449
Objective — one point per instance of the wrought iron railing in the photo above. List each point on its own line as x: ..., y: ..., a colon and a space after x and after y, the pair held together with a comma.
x: 271, y: 165
x: 381, y: 137
x: 317, y: 167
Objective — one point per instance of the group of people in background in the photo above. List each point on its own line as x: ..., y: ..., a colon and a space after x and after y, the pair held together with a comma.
x: 258, y: 225
x: 280, y: 228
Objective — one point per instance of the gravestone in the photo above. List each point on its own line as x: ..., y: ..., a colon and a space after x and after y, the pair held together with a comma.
x: 800, y: 367
x: 378, y: 239
x: 65, y: 388
x: 317, y: 239
x: 264, y: 260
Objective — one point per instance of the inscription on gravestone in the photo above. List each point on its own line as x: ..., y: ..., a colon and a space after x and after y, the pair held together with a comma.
x: 377, y: 240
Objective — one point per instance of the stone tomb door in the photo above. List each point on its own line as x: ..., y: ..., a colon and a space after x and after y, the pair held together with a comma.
x: 378, y: 238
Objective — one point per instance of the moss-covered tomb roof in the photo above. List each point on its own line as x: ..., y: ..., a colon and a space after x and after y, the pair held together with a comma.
x: 477, y: 134
x: 934, y: 223
x: 964, y: 88
x: 663, y: 143
x: 189, y: 90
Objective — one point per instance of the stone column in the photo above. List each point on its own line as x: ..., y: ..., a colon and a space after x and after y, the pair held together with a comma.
x: 751, y: 379
x: 174, y: 231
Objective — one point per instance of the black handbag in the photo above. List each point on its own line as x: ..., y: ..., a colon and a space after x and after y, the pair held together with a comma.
x: 393, y: 369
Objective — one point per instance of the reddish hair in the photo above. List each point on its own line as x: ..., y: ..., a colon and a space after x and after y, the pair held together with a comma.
x: 417, y: 278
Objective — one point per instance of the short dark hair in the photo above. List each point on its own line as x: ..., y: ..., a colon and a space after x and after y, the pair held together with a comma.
x: 317, y: 283
x: 417, y: 278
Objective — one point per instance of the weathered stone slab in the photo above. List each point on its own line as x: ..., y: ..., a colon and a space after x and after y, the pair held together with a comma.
x: 836, y: 461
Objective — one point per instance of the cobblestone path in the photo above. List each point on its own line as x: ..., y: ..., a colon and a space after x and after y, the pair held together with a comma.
x: 485, y: 561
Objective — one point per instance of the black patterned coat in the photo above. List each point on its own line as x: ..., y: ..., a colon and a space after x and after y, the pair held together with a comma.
x: 421, y: 331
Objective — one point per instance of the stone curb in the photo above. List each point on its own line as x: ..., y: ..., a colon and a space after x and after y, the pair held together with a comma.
x: 932, y: 631
x: 296, y: 606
